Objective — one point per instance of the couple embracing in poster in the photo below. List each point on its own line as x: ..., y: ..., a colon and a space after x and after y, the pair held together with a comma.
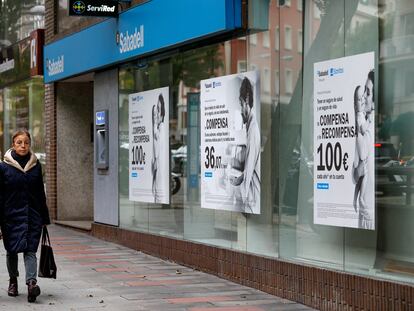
x: 363, y: 175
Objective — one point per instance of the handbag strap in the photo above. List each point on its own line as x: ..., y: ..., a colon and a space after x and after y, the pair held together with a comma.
x: 45, y: 236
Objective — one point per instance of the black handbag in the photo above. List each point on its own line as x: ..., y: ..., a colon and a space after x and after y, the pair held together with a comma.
x: 47, y: 265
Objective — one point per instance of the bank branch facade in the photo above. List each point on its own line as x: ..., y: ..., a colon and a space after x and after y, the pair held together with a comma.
x: 267, y: 142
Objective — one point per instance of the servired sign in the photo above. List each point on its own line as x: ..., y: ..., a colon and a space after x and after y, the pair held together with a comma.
x: 98, y: 8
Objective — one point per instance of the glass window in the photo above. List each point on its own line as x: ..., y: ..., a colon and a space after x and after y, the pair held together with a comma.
x: 300, y: 41
x: 184, y: 217
x: 285, y: 226
x: 361, y: 27
x: 277, y: 38
x: 387, y: 251
x: 15, y: 62
x: 300, y: 239
x: 408, y: 23
x: 409, y: 83
x: 253, y: 39
x: 266, y: 40
x: 217, y: 227
x: 262, y: 230
x: 266, y: 80
x: 299, y: 4
x: 241, y: 66
x: 277, y: 82
x: 36, y: 117
x: 19, y: 18
x: 288, y: 37
x: 288, y: 81
x: 23, y: 107
x: 156, y: 218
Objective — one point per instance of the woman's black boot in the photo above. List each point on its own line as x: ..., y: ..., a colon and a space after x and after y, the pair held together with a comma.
x: 33, y: 291
x: 13, y: 291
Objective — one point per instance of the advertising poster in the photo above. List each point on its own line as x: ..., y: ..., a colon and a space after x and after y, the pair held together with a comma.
x: 344, y: 138
x: 230, y: 143
x: 149, y: 170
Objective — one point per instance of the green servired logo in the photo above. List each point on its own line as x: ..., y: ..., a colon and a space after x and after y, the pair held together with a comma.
x: 78, y: 7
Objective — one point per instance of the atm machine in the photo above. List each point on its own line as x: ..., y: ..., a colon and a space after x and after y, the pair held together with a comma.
x: 101, y: 140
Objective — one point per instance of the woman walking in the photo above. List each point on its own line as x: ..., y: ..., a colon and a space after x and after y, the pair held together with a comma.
x: 23, y: 211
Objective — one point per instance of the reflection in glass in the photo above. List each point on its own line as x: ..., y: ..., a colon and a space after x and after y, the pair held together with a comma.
x: 394, y: 146
x: 300, y: 238
x: 18, y: 18
x: 22, y: 107
x: 317, y: 31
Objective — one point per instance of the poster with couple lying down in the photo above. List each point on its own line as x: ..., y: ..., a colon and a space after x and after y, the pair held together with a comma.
x: 344, y: 139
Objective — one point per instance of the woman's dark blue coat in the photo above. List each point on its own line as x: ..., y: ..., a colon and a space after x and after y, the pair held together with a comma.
x: 23, y: 204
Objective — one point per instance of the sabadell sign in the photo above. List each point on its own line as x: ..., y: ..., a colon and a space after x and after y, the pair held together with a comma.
x: 135, y: 32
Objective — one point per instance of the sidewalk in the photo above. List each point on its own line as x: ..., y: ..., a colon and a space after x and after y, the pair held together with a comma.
x: 97, y: 275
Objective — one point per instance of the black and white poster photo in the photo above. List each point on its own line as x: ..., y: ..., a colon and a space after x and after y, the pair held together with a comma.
x: 363, y: 171
x: 149, y: 146
x: 344, y: 140
x: 230, y: 143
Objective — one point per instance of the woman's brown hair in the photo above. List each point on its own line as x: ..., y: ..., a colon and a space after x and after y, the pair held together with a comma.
x: 21, y: 132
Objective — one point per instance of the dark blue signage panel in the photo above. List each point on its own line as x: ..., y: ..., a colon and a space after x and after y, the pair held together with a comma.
x: 154, y: 25
x: 103, y: 8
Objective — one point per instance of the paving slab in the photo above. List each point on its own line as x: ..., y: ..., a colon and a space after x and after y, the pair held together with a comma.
x: 97, y: 275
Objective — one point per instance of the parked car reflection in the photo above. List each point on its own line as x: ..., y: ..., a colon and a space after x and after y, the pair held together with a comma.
x: 393, y: 173
x: 300, y: 167
x: 179, y: 160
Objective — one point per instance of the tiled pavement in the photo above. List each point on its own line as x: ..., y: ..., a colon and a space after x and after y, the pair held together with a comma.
x: 97, y: 275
